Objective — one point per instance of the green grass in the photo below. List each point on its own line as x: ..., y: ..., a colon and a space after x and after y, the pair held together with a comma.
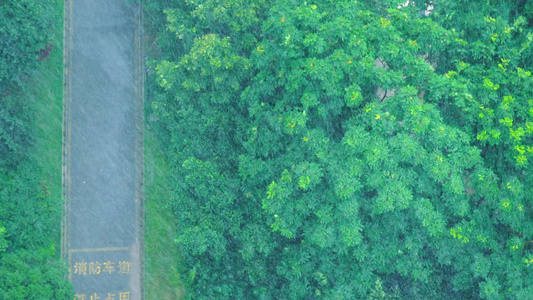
x: 161, y: 253
x: 45, y: 96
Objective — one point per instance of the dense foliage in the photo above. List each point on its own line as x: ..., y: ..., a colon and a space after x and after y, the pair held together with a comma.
x: 348, y: 149
x: 24, y: 30
x: 30, y: 266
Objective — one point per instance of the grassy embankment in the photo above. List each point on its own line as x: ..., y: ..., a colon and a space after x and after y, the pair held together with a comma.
x: 45, y: 96
x: 162, y: 256
x: 161, y: 253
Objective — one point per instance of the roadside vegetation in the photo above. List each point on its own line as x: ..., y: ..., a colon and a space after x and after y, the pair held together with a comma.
x: 31, y: 100
x: 162, y: 255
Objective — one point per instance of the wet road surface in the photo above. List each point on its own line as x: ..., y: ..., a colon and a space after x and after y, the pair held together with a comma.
x: 102, y: 150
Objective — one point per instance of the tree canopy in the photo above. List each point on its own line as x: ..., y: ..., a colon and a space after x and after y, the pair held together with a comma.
x: 24, y: 30
x: 348, y: 149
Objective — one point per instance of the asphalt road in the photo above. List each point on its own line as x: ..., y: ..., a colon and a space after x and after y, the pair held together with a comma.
x: 103, y: 160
